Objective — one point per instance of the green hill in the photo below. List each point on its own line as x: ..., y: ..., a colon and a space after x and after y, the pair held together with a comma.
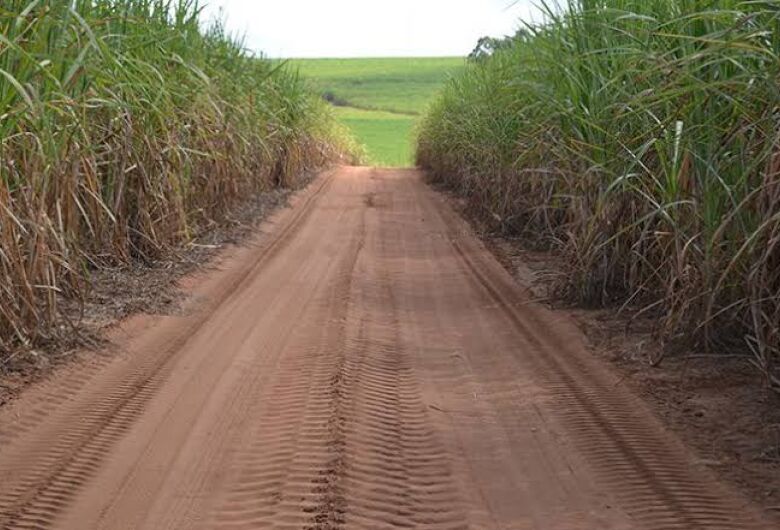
x: 380, y: 99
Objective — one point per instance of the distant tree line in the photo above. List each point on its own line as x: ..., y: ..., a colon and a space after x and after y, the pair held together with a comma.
x: 487, y: 46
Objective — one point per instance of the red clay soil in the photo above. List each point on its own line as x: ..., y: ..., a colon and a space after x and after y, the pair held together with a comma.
x: 718, y: 403
x: 366, y: 363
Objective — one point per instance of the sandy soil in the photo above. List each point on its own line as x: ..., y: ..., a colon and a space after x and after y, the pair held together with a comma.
x: 718, y: 403
x: 365, y: 363
x: 120, y: 291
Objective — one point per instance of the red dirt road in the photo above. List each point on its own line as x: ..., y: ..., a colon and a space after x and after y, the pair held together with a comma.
x: 366, y: 363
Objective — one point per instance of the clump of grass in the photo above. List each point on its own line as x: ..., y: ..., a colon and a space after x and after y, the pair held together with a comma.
x: 642, y: 138
x: 125, y: 129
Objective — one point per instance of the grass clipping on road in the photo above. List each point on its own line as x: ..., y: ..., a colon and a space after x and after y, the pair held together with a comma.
x: 641, y: 138
x: 125, y: 130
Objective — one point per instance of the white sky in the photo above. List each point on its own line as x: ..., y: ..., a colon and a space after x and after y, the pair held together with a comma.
x: 368, y: 28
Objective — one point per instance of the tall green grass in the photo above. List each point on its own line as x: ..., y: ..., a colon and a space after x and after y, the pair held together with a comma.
x: 126, y: 128
x: 642, y: 138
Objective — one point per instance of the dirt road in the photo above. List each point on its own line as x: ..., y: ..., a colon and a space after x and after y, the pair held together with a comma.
x: 365, y: 363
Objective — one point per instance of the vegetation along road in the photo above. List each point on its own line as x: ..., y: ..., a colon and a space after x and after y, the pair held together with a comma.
x: 365, y: 363
x: 361, y: 359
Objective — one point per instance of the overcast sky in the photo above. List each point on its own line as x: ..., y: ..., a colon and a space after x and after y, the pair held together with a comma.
x: 368, y: 28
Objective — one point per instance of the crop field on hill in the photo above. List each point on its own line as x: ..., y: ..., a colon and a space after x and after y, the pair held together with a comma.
x: 386, y: 135
x: 380, y: 99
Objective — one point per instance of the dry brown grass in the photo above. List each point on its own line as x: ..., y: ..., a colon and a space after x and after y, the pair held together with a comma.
x: 125, y: 130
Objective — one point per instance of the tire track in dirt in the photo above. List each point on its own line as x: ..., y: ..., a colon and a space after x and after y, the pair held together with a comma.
x: 361, y: 454
x: 46, y: 475
x: 287, y: 450
x: 656, y: 485
x: 397, y: 474
x: 634, y: 457
x: 369, y: 365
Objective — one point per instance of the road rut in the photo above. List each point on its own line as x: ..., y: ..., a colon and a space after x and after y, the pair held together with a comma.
x: 364, y: 363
